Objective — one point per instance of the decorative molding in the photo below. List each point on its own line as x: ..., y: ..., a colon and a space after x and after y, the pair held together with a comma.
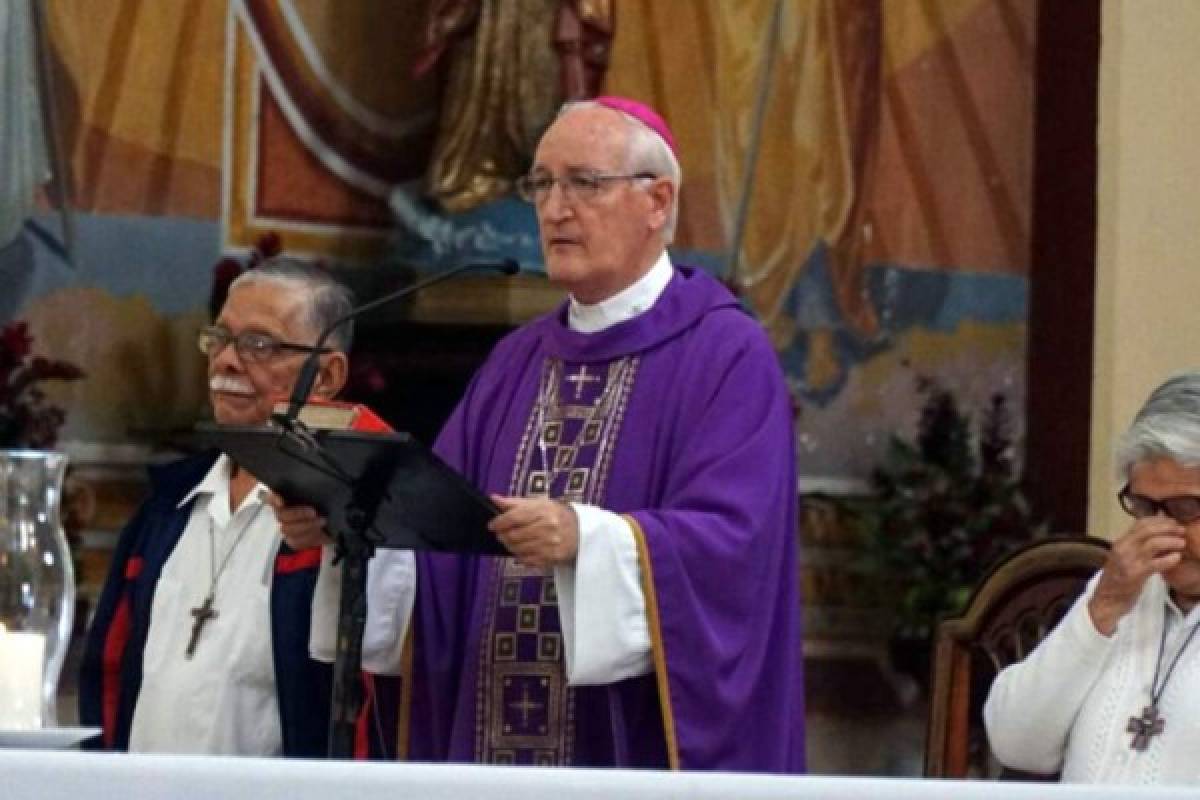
x: 486, y: 300
x: 838, y: 486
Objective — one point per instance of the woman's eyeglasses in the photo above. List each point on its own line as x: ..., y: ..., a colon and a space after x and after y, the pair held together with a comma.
x: 1184, y: 509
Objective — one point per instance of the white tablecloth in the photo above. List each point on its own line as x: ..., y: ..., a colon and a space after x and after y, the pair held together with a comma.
x: 73, y: 775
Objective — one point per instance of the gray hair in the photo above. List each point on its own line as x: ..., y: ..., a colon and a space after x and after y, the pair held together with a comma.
x: 326, y: 299
x: 647, y: 152
x: 1167, y: 426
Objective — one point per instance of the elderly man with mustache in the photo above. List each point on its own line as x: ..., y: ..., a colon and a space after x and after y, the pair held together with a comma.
x: 200, y: 642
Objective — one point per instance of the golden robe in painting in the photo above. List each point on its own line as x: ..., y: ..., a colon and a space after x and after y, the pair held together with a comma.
x: 510, y: 65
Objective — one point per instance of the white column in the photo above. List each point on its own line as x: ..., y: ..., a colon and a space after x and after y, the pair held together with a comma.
x: 1148, y: 235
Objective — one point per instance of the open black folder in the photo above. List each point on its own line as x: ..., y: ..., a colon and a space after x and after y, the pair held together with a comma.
x: 409, y: 497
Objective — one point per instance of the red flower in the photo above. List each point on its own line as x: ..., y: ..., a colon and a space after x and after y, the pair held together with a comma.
x: 268, y: 245
x: 226, y: 271
x: 15, y: 341
x: 27, y: 419
x: 43, y: 369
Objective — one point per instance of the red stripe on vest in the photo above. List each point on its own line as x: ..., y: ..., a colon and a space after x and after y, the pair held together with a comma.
x: 362, y: 746
x: 294, y: 562
x: 110, y: 680
x: 114, y: 651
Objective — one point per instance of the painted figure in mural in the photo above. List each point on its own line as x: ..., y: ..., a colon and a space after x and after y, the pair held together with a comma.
x: 1109, y: 695
x: 638, y: 442
x: 23, y: 156
x: 178, y: 658
x: 511, y: 63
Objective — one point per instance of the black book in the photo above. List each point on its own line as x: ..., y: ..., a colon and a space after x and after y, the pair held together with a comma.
x: 388, y: 485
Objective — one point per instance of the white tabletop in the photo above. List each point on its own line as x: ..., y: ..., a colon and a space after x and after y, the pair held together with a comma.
x: 73, y: 775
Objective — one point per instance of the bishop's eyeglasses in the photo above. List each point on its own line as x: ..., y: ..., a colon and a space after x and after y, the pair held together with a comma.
x: 581, y: 185
x: 1184, y: 509
x: 250, y: 345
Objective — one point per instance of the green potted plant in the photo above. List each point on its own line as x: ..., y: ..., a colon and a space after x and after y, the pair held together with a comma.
x: 942, y: 509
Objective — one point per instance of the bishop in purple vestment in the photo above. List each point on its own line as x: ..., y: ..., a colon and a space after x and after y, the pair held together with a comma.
x: 638, y: 442
x: 647, y: 413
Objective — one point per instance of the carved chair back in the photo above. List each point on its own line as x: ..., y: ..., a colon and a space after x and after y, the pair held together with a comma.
x: 1020, y: 600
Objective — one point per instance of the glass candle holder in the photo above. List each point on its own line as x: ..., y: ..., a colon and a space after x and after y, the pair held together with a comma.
x: 37, y: 587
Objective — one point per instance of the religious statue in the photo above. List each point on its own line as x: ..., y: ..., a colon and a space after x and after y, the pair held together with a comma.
x: 510, y: 64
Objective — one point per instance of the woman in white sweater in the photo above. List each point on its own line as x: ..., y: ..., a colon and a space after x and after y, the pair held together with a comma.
x: 1113, y: 693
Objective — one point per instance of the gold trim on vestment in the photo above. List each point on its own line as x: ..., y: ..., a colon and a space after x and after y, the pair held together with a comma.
x: 657, y: 644
x: 404, y: 723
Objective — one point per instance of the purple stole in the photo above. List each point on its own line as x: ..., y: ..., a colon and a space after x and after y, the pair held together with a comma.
x: 526, y: 710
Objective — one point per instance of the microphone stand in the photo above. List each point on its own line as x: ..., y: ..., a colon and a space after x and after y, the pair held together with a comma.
x: 355, y: 546
x: 308, y: 372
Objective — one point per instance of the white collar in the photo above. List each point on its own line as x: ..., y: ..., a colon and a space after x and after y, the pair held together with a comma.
x: 625, y: 304
x: 216, y: 485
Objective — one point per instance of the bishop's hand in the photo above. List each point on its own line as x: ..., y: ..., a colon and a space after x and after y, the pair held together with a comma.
x: 302, y: 527
x: 1152, y: 544
x: 538, y: 531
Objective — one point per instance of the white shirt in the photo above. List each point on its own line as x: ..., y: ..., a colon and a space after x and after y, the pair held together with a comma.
x: 602, y: 608
x: 222, y: 700
x: 1067, y: 705
x: 625, y: 304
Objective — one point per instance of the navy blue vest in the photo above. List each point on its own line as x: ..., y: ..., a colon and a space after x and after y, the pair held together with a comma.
x: 111, y: 673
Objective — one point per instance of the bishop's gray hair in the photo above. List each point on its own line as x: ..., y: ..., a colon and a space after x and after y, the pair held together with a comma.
x: 647, y: 152
x: 326, y: 298
x: 1168, y: 426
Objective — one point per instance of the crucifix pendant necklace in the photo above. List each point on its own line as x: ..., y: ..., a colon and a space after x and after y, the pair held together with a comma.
x: 205, y: 611
x: 1151, y: 723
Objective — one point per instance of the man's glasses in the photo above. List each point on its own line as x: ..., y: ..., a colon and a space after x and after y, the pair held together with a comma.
x: 1184, y: 509
x: 581, y: 186
x: 250, y: 346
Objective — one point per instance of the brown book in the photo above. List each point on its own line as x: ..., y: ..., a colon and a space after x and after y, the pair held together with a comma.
x: 332, y: 415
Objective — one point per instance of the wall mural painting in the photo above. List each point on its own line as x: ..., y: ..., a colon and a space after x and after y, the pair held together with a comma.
x: 424, y: 176
x: 112, y: 267
x: 316, y: 139
x: 859, y: 171
x: 868, y: 164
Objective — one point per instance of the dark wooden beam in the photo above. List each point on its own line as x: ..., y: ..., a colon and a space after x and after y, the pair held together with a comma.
x: 1062, y: 272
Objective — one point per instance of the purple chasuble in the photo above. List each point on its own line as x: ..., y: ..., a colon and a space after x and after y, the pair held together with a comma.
x: 678, y: 419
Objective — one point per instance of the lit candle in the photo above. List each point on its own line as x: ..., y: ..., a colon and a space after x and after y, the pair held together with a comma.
x: 22, y: 657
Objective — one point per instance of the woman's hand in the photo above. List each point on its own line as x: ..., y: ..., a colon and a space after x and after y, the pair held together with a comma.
x: 1152, y: 544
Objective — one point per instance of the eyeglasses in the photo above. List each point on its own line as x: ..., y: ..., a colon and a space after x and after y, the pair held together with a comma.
x: 1184, y: 509
x: 581, y: 186
x: 250, y: 346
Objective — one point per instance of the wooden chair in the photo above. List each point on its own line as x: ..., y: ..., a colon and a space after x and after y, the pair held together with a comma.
x: 1020, y: 600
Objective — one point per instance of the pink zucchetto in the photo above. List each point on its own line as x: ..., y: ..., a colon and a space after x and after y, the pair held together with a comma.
x: 641, y: 112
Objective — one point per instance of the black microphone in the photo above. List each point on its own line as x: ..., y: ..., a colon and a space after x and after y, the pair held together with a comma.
x: 308, y: 372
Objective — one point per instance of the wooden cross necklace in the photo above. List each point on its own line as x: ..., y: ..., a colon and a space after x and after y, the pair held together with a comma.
x: 205, y: 611
x: 1151, y: 723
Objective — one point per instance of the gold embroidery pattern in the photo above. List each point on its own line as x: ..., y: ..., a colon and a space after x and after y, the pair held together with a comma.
x: 605, y: 455
x: 525, y: 711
